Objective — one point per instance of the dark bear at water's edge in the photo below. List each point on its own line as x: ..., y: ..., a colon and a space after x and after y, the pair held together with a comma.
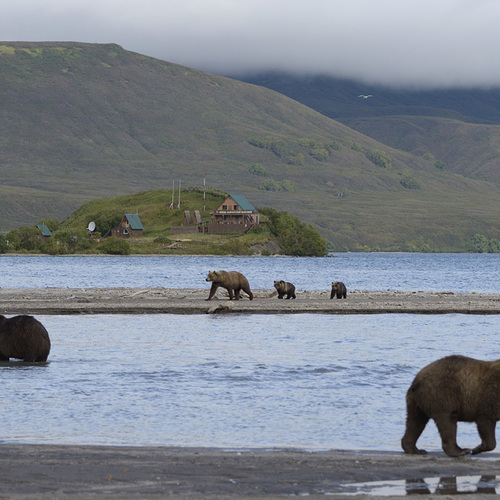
x: 339, y: 290
x: 23, y: 337
x: 232, y: 281
x: 450, y: 390
x: 285, y: 288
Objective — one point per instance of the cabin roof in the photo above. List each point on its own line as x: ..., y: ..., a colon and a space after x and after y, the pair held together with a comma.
x: 44, y: 229
x: 242, y: 202
x: 134, y: 221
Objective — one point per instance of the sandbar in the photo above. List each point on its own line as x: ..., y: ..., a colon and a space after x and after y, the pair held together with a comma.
x: 160, y: 300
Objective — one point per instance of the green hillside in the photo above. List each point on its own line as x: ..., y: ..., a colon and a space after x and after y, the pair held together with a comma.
x: 458, y: 126
x: 84, y: 121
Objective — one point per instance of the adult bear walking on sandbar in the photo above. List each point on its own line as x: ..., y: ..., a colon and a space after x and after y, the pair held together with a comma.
x: 232, y: 281
x: 23, y: 337
x: 450, y: 390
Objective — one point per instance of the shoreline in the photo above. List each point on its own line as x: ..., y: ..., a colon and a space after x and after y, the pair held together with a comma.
x: 161, y: 300
x: 60, y: 471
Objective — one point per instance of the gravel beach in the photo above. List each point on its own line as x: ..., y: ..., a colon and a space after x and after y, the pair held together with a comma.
x: 51, y: 471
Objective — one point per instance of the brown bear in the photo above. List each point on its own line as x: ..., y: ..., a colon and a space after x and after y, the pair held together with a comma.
x: 450, y: 390
x: 338, y: 289
x: 285, y: 288
x: 23, y: 337
x: 232, y: 281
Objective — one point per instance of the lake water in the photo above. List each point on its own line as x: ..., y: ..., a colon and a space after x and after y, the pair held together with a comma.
x: 307, y: 381
x: 361, y: 271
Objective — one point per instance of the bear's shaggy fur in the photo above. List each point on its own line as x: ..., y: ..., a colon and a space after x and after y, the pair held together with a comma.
x: 450, y: 390
x: 338, y: 289
x: 23, y: 337
x: 285, y: 288
x: 232, y: 281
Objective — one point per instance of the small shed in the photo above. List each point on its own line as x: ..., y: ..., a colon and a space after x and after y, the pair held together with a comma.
x: 44, y: 231
x: 129, y: 227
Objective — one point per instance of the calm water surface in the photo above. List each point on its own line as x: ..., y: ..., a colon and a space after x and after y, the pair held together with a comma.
x: 362, y: 271
x: 308, y: 381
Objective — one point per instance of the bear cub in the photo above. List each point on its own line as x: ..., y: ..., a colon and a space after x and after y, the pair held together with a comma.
x: 23, y: 337
x: 338, y: 289
x: 285, y: 288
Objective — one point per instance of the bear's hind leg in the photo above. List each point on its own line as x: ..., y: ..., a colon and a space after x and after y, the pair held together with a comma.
x: 486, y: 429
x: 447, y: 427
x: 416, y: 421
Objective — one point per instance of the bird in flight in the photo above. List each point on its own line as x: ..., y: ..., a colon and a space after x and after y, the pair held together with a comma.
x: 365, y: 96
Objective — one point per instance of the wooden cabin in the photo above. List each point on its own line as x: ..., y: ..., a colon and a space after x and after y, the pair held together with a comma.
x: 44, y: 231
x: 234, y: 214
x: 129, y: 227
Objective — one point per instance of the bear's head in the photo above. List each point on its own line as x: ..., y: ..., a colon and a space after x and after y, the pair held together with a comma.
x: 212, y: 276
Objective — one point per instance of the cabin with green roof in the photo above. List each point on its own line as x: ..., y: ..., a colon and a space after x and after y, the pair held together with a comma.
x: 44, y: 230
x: 129, y: 227
x: 234, y: 214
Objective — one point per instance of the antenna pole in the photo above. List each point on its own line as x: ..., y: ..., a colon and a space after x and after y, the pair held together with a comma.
x: 203, y: 190
x: 179, y: 204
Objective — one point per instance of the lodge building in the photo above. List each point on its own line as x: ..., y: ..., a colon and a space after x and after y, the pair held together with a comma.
x: 234, y: 214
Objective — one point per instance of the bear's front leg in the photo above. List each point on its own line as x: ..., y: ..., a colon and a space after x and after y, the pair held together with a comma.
x: 213, y: 289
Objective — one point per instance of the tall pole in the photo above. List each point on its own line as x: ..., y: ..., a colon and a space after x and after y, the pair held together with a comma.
x: 203, y: 190
x: 179, y: 203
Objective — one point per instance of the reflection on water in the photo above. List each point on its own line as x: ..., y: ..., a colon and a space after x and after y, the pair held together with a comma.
x: 453, y: 485
x: 306, y: 381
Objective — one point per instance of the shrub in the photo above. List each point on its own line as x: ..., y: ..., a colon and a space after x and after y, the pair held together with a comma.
x: 115, y: 246
x: 294, y: 236
x: 479, y: 243
x: 258, y: 169
x: 408, y: 182
x: 25, y: 238
x: 73, y: 241
x: 272, y: 185
x: 379, y: 158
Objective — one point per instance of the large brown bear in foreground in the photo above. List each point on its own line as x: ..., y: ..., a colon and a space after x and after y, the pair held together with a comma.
x: 23, y: 337
x: 450, y: 390
x: 338, y: 289
x: 285, y: 288
x: 232, y: 281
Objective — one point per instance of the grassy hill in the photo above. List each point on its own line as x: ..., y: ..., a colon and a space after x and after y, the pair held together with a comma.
x: 84, y: 121
x: 459, y: 127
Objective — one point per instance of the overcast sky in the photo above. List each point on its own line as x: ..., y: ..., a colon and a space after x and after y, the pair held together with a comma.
x: 395, y: 42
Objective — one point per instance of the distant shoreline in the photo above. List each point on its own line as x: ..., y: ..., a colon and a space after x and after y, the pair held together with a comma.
x: 161, y: 300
